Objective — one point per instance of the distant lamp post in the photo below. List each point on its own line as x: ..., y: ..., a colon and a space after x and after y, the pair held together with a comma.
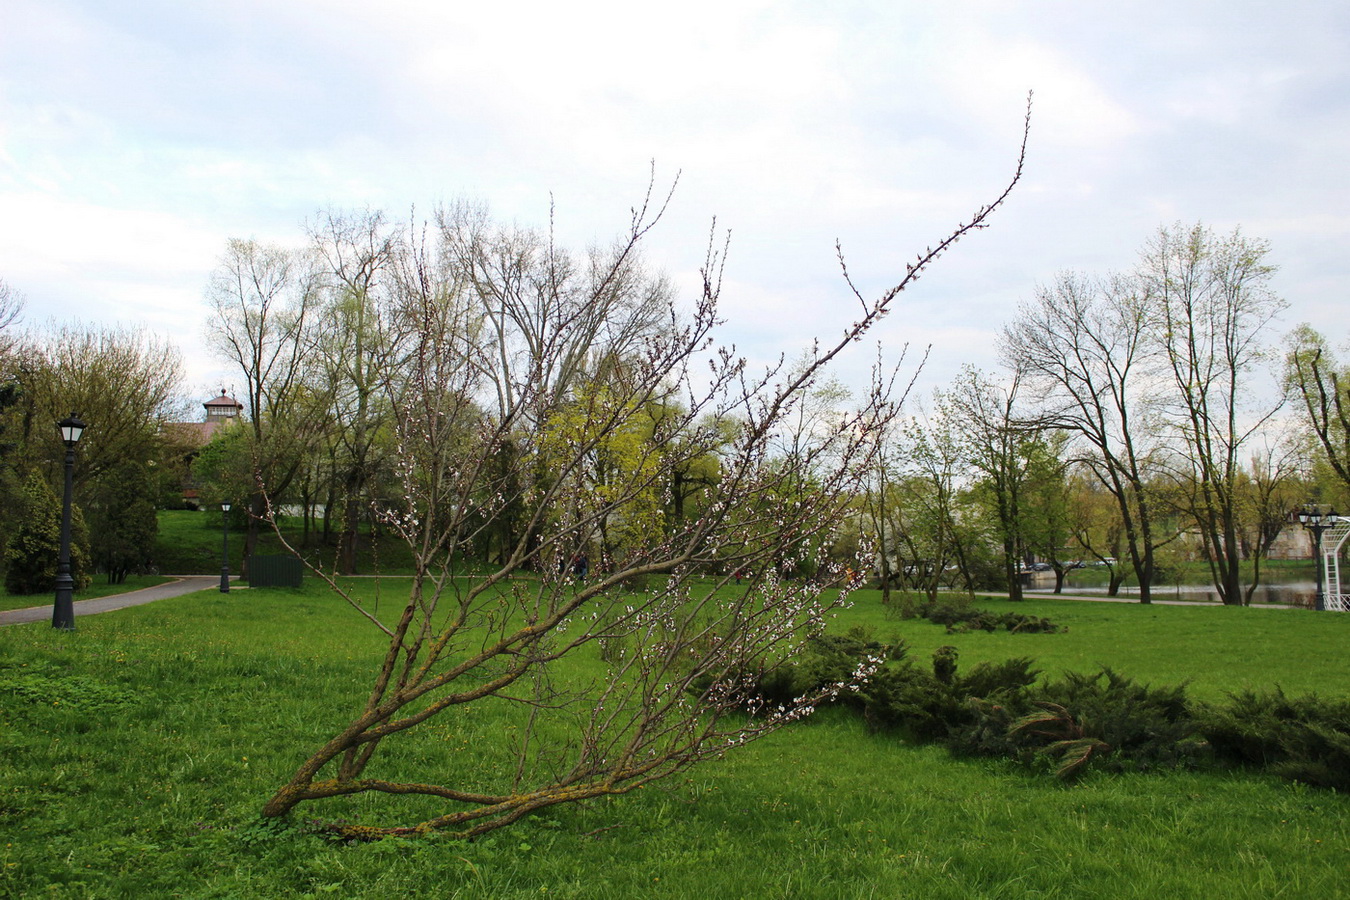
x: 63, y: 610
x: 224, y: 548
x: 1312, y: 518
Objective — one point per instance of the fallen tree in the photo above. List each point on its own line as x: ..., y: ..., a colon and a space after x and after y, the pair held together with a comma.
x: 677, y: 609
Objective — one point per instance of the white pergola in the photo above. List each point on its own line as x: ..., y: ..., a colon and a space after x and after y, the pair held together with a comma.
x: 1333, y: 539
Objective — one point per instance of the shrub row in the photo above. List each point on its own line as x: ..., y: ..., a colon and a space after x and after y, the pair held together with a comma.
x: 1102, y: 720
x: 958, y: 615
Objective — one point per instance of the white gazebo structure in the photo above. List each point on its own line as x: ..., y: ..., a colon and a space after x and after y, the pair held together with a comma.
x: 1337, y: 530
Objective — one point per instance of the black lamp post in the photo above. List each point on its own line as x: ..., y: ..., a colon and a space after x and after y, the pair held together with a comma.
x: 224, y: 548
x: 1312, y: 518
x: 63, y: 610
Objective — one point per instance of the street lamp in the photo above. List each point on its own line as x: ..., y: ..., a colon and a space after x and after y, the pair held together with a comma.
x: 63, y: 610
x: 1312, y: 518
x: 224, y: 548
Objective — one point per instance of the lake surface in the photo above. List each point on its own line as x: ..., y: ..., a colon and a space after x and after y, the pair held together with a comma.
x: 1292, y: 593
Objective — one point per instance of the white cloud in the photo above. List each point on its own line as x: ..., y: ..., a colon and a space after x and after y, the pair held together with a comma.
x: 135, y: 139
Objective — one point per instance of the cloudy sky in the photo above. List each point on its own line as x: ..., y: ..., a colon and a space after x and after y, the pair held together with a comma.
x: 137, y: 137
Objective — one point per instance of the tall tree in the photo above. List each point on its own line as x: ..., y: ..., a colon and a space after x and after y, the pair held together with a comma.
x: 996, y: 442
x: 1210, y: 303
x: 1319, y: 385
x: 358, y: 347
x: 547, y: 318
x: 263, y: 300
x: 549, y: 313
x: 1083, y: 346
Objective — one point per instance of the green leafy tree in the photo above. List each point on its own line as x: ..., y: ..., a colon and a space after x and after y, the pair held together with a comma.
x: 34, y: 548
x: 996, y: 448
x: 931, y: 540
x: 224, y: 468
x: 617, y: 480
x: 1045, y: 507
x: 1098, y: 530
x: 124, y: 523
x: 124, y: 383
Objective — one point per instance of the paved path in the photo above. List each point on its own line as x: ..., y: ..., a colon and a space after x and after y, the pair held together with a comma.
x: 185, y: 584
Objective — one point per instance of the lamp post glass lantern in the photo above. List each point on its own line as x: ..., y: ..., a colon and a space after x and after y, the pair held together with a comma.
x: 224, y: 548
x: 63, y: 609
x: 1312, y: 518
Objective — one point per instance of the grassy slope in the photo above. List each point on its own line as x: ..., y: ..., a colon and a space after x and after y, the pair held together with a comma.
x: 136, y: 757
x: 189, y: 543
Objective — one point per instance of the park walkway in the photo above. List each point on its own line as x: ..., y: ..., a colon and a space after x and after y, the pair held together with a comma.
x: 185, y: 584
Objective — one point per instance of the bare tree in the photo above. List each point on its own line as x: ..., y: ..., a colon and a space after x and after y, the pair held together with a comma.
x: 263, y: 299
x: 551, y: 320
x: 1210, y: 304
x: 548, y: 314
x: 1082, y: 344
x: 358, y: 350
x: 12, y: 302
x: 1318, y: 384
x: 680, y: 660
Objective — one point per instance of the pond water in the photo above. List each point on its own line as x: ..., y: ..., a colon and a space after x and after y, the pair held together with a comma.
x: 1292, y: 593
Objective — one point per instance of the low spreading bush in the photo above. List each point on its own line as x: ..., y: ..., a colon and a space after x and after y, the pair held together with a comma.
x: 1304, y: 739
x: 936, y: 705
x: 1102, y: 720
x: 961, y: 617
x: 825, y: 659
x: 1111, y: 720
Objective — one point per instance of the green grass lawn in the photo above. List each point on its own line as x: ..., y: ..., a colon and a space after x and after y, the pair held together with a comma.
x: 136, y: 751
x: 190, y: 543
x: 1212, y: 648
